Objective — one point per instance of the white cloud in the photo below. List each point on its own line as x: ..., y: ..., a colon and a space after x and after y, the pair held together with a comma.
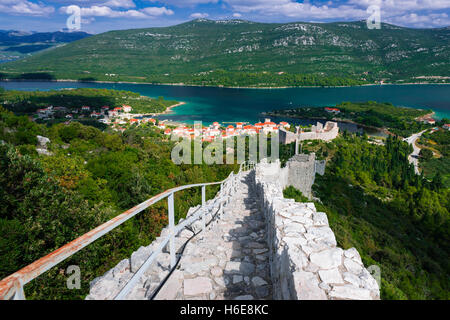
x: 185, y: 3
x: 198, y: 15
x: 120, y: 3
x: 24, y: 7
x: 157, y: 11
x: 406, y: 12
x: 294, y: 9
x: 421, y: 21
x: 237, y: 15
x: 404, y: 5
x: 104, y: 11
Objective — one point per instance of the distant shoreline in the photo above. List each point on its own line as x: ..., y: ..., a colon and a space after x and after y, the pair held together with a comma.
x: 280, y: 115
x: 217, y: 86
x: 169, y: 109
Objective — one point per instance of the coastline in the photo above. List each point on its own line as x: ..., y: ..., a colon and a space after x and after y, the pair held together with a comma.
x: 384, y: 130
x: 217, y: 86
x: 169, y: 109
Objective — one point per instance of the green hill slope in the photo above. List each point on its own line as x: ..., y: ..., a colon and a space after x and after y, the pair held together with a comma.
x: 244, y: 53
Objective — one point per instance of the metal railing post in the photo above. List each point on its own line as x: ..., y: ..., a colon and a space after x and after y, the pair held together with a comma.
x: 203, y: 204
x: 19, y: 294
x: 171, y: 230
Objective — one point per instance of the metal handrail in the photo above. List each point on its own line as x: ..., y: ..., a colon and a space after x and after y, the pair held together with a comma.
x: 11, y: 287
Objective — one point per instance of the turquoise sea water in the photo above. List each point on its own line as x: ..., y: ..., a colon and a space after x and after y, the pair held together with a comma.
x: 209, y: 104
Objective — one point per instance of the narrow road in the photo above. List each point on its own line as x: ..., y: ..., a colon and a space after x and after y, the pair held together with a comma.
x: 414, y: 156
x: 227, y: 261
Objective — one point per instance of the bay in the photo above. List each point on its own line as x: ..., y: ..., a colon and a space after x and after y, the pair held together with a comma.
x: 209, y: 104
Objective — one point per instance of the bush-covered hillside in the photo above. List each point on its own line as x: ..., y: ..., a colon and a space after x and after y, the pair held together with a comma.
x: 91, y: 176
x: 395, y: 219
x: 25, y: 102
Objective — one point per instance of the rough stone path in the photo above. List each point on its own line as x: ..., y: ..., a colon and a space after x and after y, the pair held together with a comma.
x: 229, y: 260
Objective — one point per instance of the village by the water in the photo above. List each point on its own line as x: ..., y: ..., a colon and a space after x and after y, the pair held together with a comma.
x: 121, y: 117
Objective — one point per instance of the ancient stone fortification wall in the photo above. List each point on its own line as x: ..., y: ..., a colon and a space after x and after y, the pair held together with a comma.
x: 286, y: 136
x: 326, y: 132
x: 299, y: 172
x: 305, y: 262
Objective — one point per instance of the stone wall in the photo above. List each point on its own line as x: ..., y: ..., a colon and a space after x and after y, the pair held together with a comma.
x: 305, y: 262
x: 299, y: 172
x: 326, y: 132
x: 286, y: 136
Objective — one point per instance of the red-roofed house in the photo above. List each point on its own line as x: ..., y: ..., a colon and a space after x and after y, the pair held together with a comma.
x: 126, y: 108
x: 284, y: 124
x: 85, y: 108
x: 446, y: 126
x: 269, y: 124
x: 332, y: 110
x: 167, y: 131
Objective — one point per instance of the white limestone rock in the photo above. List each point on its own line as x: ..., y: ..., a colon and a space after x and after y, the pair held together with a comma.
x: 171, y: 288
x: 368, y: 281
x: 139, y: 257
x: 320, y: 219
x: 194, y: 265
x: 43, y: 141
x: 322, y: 234
x: 295, y: 242
x: 303, y: 220
x: 352, y: 278
x: 332, y: 276
x: 350, y: 292
x: 197, y: 286
x: 352, y: 266
x: 307, y: 286
x: 298, y: 258
x: 327, y: 259
x: 294, y: 228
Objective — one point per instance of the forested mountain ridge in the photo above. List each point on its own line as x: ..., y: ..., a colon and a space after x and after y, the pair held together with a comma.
x: 244, y: 53
x: 17, y: 44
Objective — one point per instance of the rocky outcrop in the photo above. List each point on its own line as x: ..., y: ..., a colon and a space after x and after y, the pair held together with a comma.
x: 305, y: 262
x: 41, y: 147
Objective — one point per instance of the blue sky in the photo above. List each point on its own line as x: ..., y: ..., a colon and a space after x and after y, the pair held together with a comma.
x: 103, y: 15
